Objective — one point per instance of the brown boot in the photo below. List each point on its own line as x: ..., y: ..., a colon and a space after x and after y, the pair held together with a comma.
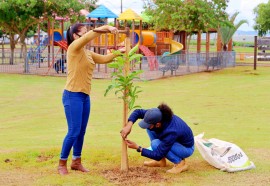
x: 154, y: 163
x: 77, y: 165
x: 180, y: 167
x: 62, y: 167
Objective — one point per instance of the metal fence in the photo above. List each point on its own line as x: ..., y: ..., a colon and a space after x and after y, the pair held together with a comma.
x: 11, y: 66
x: 181, y: 64
x: 154, y: 67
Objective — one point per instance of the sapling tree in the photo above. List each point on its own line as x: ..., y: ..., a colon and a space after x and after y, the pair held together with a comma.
x: 125, y: 89
x: 122, y: 81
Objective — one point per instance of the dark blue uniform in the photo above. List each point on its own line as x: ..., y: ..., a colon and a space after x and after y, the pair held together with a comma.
x: 174, y: 131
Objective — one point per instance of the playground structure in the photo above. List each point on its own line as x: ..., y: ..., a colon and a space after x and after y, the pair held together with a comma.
x: 43, y: 48
x: 151, y: 43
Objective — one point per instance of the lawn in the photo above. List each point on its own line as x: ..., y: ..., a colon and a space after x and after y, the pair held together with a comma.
x: 231, y: 105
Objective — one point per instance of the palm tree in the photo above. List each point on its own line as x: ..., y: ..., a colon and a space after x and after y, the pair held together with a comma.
x: 227, y: 32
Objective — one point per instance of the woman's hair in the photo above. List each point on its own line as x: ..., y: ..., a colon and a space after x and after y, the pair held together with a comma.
x: 73, y: 29
x: 166, y: 111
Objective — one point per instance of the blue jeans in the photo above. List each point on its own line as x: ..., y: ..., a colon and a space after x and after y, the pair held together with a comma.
x: 77, y: 110
x: 177, y: 153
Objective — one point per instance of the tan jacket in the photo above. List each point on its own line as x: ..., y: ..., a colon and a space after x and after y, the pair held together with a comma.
x: 81, y: 64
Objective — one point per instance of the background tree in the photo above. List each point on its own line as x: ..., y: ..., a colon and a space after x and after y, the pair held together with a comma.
x: 1, y: 33
x: 190, y: 15
x: 2, y: 36
x: 18, y: 16
x: 149, y: 4
x: 90, y: 5
x: 262, y: 18
x: 227, y: 31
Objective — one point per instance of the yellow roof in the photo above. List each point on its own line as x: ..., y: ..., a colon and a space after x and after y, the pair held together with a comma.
x: 129, y: 15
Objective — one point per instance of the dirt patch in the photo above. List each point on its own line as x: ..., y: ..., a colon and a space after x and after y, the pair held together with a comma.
x: 134, y: 176
x: 18, y: 177
x: 7, y: 161
x: 42, y: 158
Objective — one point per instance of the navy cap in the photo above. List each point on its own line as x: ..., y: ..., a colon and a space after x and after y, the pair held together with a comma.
x: 152, y: 116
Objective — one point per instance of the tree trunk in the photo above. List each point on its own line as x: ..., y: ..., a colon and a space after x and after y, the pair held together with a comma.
x: 224, y: 47
x: 124, y: 157
x: 187, y: 52
x: 3, y: 50
x: 23, y: 45
x: 12, y: 47
x: 25, y: 57
x: 21, y: 52
x: 230, y: 45
x: 11, y: 59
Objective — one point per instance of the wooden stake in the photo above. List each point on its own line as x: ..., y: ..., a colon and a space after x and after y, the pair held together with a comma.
x: 124, y: 157
x: 255, y: 52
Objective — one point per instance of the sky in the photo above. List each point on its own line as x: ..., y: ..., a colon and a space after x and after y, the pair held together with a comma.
x: 245, y: 7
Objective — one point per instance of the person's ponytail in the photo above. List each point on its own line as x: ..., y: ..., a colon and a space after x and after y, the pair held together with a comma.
x: 69, y: 36
x: 71, y: 30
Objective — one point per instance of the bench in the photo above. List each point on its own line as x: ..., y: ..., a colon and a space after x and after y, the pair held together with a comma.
x: 170, y: 63
x: 60, y: 65
x: 212, y: 62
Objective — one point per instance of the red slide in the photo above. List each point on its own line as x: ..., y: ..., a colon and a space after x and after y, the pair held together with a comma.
x: 151, y: 58
x: 62, y: 44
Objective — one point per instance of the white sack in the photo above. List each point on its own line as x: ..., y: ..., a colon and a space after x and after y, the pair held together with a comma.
x: 223, y: 155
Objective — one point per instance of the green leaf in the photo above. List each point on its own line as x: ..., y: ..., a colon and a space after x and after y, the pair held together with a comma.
x: 110, y: 87
x: 113, y: 65
x: 131, y: 103
x: 133, y: 50
x: 137, y: 72
x: 136, y: 107
x: 123, y: 84
x: 117, y: 52
x: 135, y: 56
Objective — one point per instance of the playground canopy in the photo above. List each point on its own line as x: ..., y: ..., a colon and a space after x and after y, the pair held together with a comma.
x: 129, y: 15
x: 102, y: 12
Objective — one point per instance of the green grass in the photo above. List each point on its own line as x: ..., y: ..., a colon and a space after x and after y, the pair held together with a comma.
x: 213, y: 48
x: 231, y: 105
x: 239, y: 49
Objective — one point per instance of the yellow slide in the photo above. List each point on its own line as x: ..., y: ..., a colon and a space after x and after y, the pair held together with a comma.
x: 176, y: 47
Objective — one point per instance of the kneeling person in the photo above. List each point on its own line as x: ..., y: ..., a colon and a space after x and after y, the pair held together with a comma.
x: 171, y: 138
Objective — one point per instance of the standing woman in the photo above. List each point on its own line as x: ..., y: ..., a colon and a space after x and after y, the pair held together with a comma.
x: 76, y: 99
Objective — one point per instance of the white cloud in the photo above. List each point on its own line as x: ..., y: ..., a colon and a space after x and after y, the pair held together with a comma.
x: 245, y: 7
